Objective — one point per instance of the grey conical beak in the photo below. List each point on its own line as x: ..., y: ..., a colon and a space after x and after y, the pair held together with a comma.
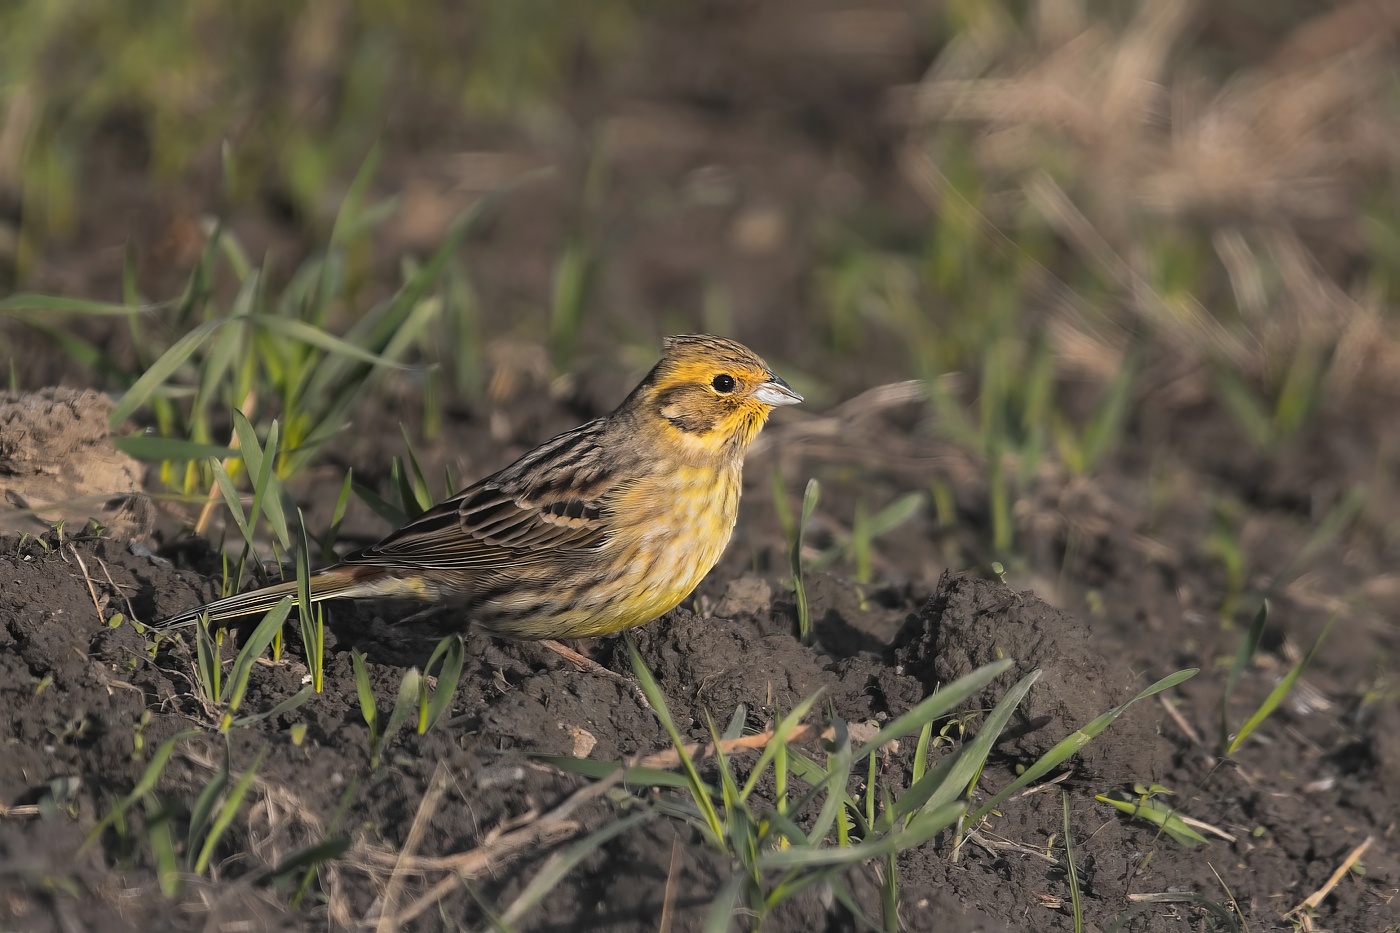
x: 776, y: 392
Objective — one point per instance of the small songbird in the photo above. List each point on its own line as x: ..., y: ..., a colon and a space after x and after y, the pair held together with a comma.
x: 600, y: 529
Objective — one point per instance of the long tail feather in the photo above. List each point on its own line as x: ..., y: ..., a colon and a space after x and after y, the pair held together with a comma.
x: 330, y: 583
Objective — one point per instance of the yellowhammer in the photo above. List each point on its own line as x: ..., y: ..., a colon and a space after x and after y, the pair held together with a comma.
x: 600, y: 529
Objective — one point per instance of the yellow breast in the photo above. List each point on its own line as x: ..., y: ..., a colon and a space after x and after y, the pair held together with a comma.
x: 672, y: 529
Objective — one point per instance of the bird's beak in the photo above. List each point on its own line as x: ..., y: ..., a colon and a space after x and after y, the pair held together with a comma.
x: 776, y: 392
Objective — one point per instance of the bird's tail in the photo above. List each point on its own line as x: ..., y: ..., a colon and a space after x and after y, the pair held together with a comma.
x: 327, y: 584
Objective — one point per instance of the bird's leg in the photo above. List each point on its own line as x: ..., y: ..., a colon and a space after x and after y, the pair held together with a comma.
x: 586, y: 665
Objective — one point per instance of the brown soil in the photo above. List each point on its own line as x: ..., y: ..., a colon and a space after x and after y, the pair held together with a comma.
x: 733, y: 153
x: 77, y: 694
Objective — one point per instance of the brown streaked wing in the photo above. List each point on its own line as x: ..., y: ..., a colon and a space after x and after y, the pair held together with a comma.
x: 484, y: 528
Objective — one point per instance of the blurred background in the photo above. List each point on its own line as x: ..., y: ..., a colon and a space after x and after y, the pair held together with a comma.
x: 1140, y: 260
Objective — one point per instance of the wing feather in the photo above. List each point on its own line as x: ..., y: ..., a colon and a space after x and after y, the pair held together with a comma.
x: 554, y: 498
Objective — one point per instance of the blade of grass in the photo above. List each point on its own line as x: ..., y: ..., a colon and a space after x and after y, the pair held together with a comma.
x: 48, y: 304
x: 162, y: 369
x: 973, y: 756
x: 658, y: 703
x: 404, y: 706
x: 1164, y: 817
x: 1075, y: 741
x: 295, y: 701
x: 722, y: 908
x: 204, y: 809
x: 1071, y: 872
x: 781, y: 733
x: 922, y: 828
x: 313, y: 630
x: 1249, y: 646
x: 1280, y: 691
x: 809, y: 505
x: 839, y: 762
x: 227, y: 812
x: 451, y: 650
x: 258, y: 642
x: 149, y: 447
x: 342, y: 502
x: 144, y: 786
x: 936, y: 704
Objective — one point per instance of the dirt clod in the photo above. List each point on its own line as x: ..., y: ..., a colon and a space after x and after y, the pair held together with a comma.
x: 971, y: 622
x: 57, y: 463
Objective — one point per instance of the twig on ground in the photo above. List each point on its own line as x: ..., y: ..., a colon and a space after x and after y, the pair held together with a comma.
x: 464, y: 865
x: 130, y: 612
x: 431, y: 799
x: 87, y: 578
x: 668, y: 899
x: 1316, y: 898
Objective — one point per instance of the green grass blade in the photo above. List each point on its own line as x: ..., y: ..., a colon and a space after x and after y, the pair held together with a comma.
x: 144, y: 786
x: 352, y: 206
x: 1249, y: 645
x: 312, y: 856
x: 1246, y: 408
x: 663, y: 712
x: 968, y: 764
x: 1072, y: 743
x: 735, y: 729
x: 248, y: 655
x: 151, y: 448
x: 48, y: 304
x: 1071, y: 872
x: 292, y: 702
x: 227, y: 812
x: 839, y: 762
x: 1280, y: 691
x: 144, y: 388
x: 261, y: 462
x: 418, y: 482
x: 1165, y: 818
x: 921, y: 752
x: 342, y: 502
x: 209, y: 666
x: 162, y: 842
x: 83, y: 352
x: 936, y: 704
x: 368, y: 708
x: 1105, y: 428
x: 785, y: 828
x: 781, y: 732
x: 922, y: 828
x: 452, y: 652
x: 314, y: 336
x: 380, y: 506
x: 809, y: 505
x: 313, y: 632
x: 404, y: 706
x: 232, y: 500
x: 721, y: 913
x: 895, y: 514
x: 204, y: 809
x: 561, y: 863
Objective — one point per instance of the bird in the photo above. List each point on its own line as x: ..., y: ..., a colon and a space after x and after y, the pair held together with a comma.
x: 600, y: 529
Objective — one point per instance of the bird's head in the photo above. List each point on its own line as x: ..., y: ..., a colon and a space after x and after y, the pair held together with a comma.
x: 709, y: 394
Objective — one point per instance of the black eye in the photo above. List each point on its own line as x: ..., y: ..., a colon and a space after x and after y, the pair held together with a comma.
x: 723, y: 383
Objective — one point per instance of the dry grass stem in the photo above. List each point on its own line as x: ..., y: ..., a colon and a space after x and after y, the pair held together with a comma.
x: 668, y: 899
x: 1314, y: 900
x: 437, y: 786
x: 92, y: 590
